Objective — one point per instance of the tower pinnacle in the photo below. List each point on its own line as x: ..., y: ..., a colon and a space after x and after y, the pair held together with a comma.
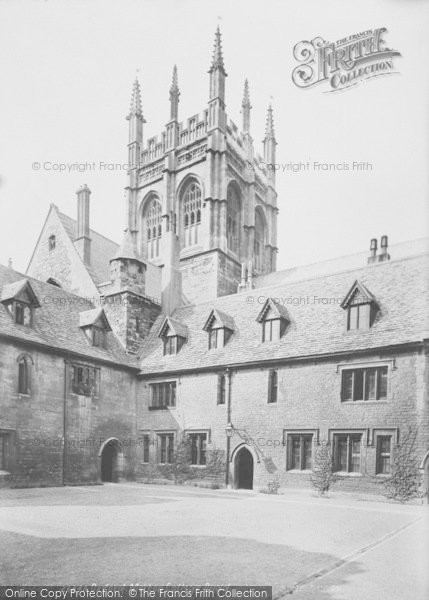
x: 136, y: 101
x: 269, y: 127
x: 174, y: 96
x: 246, y: 107
x: 217, y: 60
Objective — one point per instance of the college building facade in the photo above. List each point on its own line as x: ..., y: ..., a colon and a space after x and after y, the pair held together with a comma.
x: 112, y: 355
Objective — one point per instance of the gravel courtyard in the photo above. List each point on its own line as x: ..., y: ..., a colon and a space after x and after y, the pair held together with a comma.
x: 122, y: 534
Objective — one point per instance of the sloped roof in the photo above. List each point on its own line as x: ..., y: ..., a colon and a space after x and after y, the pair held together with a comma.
x: 102, y: 250
x: 221, y: 318
x: 15, y: 290
x: 316, y: 319
x: 272, y: 307
x: 174, y: 326
x: 92, y: 316
x: 357, y: 289
x: 56, y: 322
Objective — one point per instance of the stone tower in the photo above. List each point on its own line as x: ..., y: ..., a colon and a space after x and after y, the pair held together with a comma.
x: 201, y: 203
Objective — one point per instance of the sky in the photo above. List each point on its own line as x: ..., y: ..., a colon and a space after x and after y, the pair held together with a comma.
x: 67, y: 68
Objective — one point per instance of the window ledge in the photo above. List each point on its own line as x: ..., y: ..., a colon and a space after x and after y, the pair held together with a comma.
x: 299, y: 471
x: 198, y: 466
x: 345, y: 474
x: 4, y: 473
x: 24, y: 396
x: 351, y: 402
x: 161, y: 407
x: 272, y: 403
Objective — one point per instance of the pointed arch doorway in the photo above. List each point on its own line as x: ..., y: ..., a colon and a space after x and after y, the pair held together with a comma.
x: 243, y: 469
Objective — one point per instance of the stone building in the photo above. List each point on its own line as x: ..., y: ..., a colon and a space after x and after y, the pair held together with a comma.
x: 110, y: 354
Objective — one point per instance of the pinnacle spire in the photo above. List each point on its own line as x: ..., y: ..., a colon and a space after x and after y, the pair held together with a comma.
x: 136, y: 100
x: 269, y: 127
x: 174, y: 89
x: 246, y: 96
x: 217, y: 60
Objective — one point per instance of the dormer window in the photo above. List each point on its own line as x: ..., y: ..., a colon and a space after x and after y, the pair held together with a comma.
x: 274, y: 319
x: 173, y: 334
x: 95, y: 325
x: 219, y: 327
x: 52, y: 242
x: 361, y: 307
x: 20, y: 301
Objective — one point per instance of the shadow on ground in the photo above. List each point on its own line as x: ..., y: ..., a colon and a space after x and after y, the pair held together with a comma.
x: 187, y: 560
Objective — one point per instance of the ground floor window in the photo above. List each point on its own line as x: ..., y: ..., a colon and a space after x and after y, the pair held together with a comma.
x: 4, y: 450
x: 299, y: 450
x: 146, y: 445
x: 384, y: 445
x: 198, y: 448
x: 347, y: 452
x: 165, y: 448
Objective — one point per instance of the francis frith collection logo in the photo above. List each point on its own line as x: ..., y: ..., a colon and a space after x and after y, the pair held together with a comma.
x: 344, y: 63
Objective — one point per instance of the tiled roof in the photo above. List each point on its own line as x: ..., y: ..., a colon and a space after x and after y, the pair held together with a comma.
x: 56, y: 322
x: 90, y: 317
x: 102, y: 250
x: 13, y: 290
x: 221, y: 318
x: 175, y: 326
x: 317, y: 324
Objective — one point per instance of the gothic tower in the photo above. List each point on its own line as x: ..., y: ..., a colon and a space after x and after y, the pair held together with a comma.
x: 201, y: 203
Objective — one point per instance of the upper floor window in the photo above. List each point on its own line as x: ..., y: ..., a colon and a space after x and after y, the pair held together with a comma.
x: 273, y: 384
x: 153, y: 217
x: 191, y: 202
x: 221, y: 388
x: 146, y: 447
x: 95, y: 325
x: 274, y: 319
x: 52, y: 242
x: 84, y: 380
x: 163, y: 395
x: 173, y: 335
x: 259, y: 241
x: 233, y: 219
x: 20, y: 301
x: 361, y: 307
x: 347, y: 452
x: 198, y: 448
x: 24, y: 370
x: 364, y: 384
x: 219, y: 327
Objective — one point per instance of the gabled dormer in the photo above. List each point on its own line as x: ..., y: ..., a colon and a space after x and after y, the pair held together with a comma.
x: 360, y: 306
x: 95, y: 325
x: 219, y: 327
x: 173, y: 334
x: 20, y: 301
x: 274, y: 319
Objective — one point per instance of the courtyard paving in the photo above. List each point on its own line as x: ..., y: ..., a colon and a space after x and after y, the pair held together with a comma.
x: 338, y: 548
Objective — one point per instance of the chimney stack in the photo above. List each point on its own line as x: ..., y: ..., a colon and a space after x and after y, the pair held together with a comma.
x: 83, y: 239
x: 384, y: 255
x: 372, y: 258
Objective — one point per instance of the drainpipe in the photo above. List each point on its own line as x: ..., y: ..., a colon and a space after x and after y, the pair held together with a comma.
x: 228, y: 421
x: 64, y: 457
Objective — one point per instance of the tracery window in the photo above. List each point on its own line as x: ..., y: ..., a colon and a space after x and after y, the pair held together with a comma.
x: 153, y: 228
x: 191, y: 214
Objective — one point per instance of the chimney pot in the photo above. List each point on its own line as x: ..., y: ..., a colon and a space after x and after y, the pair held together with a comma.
x: 384, y: 241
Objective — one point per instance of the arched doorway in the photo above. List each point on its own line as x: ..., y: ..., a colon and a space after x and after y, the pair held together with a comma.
x: 243, y: 469
x: 111, y: 455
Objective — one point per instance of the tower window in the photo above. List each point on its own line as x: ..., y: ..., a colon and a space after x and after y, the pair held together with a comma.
x: 233, y: 214
x: 191, y: 214
x: 153, y: 216
x: 259, y: 241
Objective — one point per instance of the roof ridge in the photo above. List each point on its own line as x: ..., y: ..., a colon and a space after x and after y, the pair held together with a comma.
x: 92, y: 230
